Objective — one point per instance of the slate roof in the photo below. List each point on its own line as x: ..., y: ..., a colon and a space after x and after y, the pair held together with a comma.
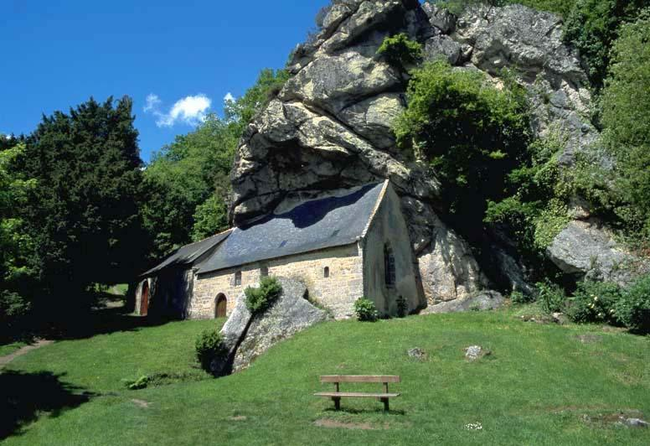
x: 313, y: 225
x: 188, y: 254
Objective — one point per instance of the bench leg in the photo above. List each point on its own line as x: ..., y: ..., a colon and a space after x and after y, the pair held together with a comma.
x: 385, y: 401
x: 337, y: 403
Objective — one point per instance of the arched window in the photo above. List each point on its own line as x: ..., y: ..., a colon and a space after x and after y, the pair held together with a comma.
x: 389, y: 266
x: 220, y: 306
x: 326, y: 272
x: 238, y: 278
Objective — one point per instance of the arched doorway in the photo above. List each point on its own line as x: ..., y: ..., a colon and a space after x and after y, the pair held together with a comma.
x: 144, y: 299
x: 220, y: 306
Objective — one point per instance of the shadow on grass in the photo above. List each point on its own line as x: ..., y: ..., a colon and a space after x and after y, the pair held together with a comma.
x: 26, y: 396
x: 86, y: 323
x: 352, y: 411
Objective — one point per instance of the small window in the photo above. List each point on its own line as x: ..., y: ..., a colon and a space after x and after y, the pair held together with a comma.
x: 238, y: 278
x: 389, y: 267
x: 326, y: 272
x: 283, y: 244
x: 264, y: 271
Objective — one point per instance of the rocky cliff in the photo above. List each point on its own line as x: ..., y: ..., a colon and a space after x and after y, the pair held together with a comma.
x: 330, y: 126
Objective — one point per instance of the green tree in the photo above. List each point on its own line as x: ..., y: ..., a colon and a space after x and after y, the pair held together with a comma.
x: 186, y: 180
x: 470, y: 132
x: 593, y: 26
x: 626, y: 118
x: 83, y: 212
x: 16, y: 247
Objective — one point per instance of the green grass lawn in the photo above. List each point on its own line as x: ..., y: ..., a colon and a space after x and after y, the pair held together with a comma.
x: 7, y: 349
x: 543, y: 384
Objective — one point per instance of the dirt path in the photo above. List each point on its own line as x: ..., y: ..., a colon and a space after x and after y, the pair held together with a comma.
x: 4, y: 360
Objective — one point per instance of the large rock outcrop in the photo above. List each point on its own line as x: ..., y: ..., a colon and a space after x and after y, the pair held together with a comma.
x: 330, y: 126
x: 247, y: 336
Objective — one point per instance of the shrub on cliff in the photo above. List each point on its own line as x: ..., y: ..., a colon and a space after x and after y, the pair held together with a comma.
x: 400, y: 51
x: 258, y: 300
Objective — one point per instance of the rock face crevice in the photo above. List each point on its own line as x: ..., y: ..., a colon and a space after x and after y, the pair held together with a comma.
x: 330, y: 126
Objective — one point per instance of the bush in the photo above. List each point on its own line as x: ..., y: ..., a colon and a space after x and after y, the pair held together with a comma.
x: 517, y: 297
x: 209, y: 346
x: 365, y: 310
x: 594, y: 302
x: 402, y: 306
x: 258, y: 300
x: 400, y: 51
x: 551, y: 296
x: 633, y: 309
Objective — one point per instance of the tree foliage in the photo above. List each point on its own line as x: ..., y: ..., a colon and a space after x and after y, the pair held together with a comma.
x: 593, y: 26
x: 470, y: 132
x: 626, y: 118
x: 16, y: 247
x: 82, y: 213
x: 188, y: 176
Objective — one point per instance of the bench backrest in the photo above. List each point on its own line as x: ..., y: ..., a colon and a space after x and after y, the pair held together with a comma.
x: 359, y: 379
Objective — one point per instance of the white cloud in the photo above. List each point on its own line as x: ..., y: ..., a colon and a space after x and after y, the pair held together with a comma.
x: 228, y: 97
x: 190, y: 110
x: 153, y: 103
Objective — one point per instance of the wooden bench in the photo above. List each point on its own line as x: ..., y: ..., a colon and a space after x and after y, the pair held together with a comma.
x: 338, y: 379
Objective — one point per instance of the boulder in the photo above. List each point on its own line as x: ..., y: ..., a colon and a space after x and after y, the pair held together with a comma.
x: 587, y: 250
x: 442, y: 46
x: 485, y: 300
x: 440, y: 18
x: 247, y: 337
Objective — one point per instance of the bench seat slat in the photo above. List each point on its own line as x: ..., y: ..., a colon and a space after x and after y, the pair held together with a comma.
x: 356, y: 395
x: 359, y: 379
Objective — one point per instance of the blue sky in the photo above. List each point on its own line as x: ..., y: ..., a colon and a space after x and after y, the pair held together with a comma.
x: 182, y: 55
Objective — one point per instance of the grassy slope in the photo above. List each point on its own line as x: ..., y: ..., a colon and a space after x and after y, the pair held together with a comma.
x: 7, y: 349
x: 535, y: 388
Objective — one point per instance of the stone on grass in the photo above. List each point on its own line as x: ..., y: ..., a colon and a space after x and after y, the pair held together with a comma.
x: 635, y: 422
x: 475, y: 352
x: 418, y: 353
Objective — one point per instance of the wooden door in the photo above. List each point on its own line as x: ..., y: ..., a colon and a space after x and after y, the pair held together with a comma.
x: 221, y: 306
x: 144, y: 299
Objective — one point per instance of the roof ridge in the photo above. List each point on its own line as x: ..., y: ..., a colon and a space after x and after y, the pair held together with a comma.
x: 380, y: 198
